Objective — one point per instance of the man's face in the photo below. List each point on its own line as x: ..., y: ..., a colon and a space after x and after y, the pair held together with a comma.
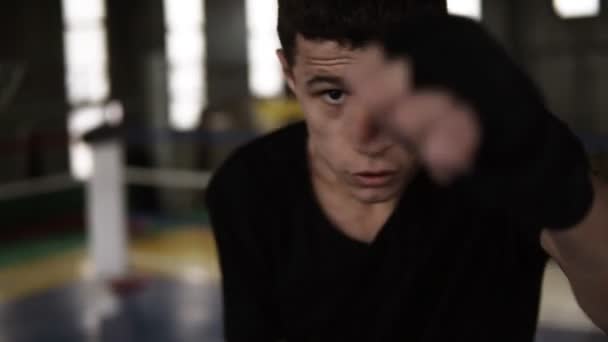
x: 347, y: 145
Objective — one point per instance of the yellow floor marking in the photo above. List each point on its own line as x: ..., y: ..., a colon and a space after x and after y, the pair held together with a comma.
x: 185, y: 252
x: 40, y: 275
x: 179, y: 252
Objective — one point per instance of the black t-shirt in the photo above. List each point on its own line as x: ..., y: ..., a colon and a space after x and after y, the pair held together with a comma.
x: 439, y: 270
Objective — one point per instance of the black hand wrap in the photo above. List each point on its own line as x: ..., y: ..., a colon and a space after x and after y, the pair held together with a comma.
x: 530, y: 164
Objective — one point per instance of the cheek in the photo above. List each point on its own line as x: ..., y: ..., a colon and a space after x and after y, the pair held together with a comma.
x: 323, y: 125
x: 326, y: 137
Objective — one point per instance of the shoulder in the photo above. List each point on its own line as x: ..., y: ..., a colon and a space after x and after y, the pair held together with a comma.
x: 275, y: 147
x: 263, y: 160
x: 245, y: 192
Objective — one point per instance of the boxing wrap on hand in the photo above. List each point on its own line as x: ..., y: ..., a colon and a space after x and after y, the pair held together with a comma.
x: 529, y: 163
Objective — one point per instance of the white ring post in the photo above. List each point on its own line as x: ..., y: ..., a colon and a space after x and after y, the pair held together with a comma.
x: 106, y: 218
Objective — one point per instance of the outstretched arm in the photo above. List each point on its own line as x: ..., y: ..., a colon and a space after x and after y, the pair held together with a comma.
x: 582, y: 253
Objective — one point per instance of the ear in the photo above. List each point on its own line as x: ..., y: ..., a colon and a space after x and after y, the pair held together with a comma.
x: 287, y: 70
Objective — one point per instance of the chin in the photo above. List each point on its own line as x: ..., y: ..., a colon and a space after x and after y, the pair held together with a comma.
x: 372, y: 196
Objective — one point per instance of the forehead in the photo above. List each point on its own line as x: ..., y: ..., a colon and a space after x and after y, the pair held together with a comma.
x: 314, y: 56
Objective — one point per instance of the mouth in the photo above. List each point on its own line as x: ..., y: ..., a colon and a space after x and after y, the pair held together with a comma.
x: 374, y: 179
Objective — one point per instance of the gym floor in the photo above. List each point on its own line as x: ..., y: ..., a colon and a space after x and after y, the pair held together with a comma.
x: 46, y: 294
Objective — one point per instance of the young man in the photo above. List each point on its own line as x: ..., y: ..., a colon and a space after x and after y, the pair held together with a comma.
x: 421, y: 198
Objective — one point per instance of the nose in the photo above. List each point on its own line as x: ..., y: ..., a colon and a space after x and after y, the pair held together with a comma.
x: 368, y: 134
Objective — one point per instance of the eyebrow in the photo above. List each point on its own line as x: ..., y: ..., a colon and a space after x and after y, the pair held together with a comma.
x: 337, y: 81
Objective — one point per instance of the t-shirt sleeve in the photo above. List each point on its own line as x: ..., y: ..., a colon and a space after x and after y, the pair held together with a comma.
x: 527, y: 241
x: 249, y: 307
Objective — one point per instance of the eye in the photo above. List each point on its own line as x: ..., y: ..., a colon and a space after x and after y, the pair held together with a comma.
x: 334, y: 96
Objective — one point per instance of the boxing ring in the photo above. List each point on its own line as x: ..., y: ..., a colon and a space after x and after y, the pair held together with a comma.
x: 132, y: 276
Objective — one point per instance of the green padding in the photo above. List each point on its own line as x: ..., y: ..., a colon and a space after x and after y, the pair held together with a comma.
x: 32, y: 250
x: 42, y: 207
x: 12, y: 254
